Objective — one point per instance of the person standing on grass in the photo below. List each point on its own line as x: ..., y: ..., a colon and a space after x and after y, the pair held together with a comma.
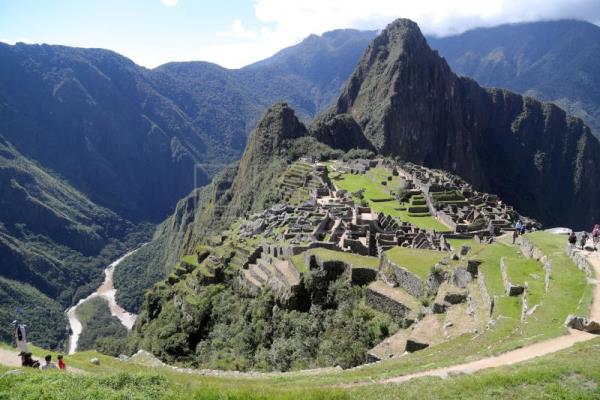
x: 61, y: 362
x: 572, y: 241
x: 583, y: 240
x: 49, y: 364
x: 518, y: 227
x: 515, y: 235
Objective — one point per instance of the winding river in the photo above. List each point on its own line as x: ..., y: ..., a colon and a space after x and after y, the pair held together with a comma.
x: 108, y: 292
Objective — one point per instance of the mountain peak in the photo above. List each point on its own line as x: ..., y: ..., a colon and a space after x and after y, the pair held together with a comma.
x: 405, y: 100
x: 279, y: 123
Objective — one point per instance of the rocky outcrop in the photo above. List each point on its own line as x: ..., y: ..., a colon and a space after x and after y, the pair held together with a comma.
x: 408, y: 103
x: 582, y: 324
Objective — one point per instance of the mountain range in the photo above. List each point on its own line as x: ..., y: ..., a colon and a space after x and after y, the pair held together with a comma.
x: 556, y: 61
x: 95, y: 149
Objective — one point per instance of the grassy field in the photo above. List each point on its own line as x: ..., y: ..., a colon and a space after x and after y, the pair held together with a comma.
x: 373, y: 189
x: 327, y: 255
x: 417, y: 261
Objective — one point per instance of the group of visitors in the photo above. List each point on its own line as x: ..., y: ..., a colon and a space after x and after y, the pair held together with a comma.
x: 28, y: 361
x: 20, y: 335
x: 520, y: 229
x: 585, y: 237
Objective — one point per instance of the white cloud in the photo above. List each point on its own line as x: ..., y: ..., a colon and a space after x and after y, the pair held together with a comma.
x: 293, y: 20
x: 169, y: 3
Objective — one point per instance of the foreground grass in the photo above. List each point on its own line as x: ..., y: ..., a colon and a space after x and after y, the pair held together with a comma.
x: 570, y: 374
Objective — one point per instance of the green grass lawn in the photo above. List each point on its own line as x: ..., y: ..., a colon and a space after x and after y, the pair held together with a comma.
x: 417, y: 261
x: 355, y: 260
x: 374, y: 190
x: 530, y: 272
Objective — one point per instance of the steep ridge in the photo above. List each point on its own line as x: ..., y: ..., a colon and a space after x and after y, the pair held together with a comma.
x: 408, y: 103
x: 555, y: 61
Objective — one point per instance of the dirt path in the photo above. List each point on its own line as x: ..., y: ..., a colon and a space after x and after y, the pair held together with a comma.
x: 9, y: 358
x: 525, y: 353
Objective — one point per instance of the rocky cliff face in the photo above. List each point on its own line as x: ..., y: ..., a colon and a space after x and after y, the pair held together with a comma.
x: 555, y: 61
x: 408, y: 103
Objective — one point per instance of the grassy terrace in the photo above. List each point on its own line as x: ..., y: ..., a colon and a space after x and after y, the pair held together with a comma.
x: 330, y: 255
x: 521, y: 271
x: 193, y: 260
x: 417, y: 261
x: 572, y: 373
x: 373, y: 189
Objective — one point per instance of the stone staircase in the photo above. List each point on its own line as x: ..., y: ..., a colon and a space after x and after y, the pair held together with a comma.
x: 280, y: 275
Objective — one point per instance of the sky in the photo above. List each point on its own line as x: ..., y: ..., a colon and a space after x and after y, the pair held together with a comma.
x: 234, y: 33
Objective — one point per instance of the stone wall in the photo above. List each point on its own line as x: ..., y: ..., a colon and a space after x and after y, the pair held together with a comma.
x: 487, y: 300
x: 252, y: 257
x: 528, y: 249
x: 580, y: 260
x: 380, y: 302
x: 511, y: 289
x: 400, y: 276
x: 547, y: 264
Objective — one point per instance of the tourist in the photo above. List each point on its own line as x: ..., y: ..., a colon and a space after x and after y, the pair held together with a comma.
x: 28, y: 361
x: 583, y: 240
x: 515, y: 235
x: 519, y: 227
x: 20, y: 336
x: 572, y: 241
x: 61, y: 362
x: 49, y: 364
x: 595, y: 235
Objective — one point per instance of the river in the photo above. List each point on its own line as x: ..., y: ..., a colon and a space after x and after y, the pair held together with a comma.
x: 108, y: 292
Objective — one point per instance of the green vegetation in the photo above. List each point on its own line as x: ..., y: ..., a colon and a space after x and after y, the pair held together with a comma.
x: 327, y: 255
x: 101, y: 331
x: 138, y: 272
x: 417, y: 261
x: 373, y: 189
x: 257, y: 333
x: 45, y: 318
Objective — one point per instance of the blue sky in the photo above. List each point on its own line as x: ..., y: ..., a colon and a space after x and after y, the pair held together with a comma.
x: 234, y: 33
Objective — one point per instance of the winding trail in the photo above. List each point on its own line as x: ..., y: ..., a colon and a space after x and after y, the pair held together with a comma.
x: 108, y: 292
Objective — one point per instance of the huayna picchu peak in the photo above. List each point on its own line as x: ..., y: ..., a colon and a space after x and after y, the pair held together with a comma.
x: 408, y: 103
x: 338, y: 219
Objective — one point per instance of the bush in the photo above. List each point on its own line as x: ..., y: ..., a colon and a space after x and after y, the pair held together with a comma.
x: 358, y: 153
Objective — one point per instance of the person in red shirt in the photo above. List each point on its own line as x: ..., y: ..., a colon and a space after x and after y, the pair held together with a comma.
x: 61, y: 362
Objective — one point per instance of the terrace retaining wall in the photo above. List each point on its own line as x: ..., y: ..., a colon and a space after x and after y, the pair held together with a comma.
x: 397, y: 275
